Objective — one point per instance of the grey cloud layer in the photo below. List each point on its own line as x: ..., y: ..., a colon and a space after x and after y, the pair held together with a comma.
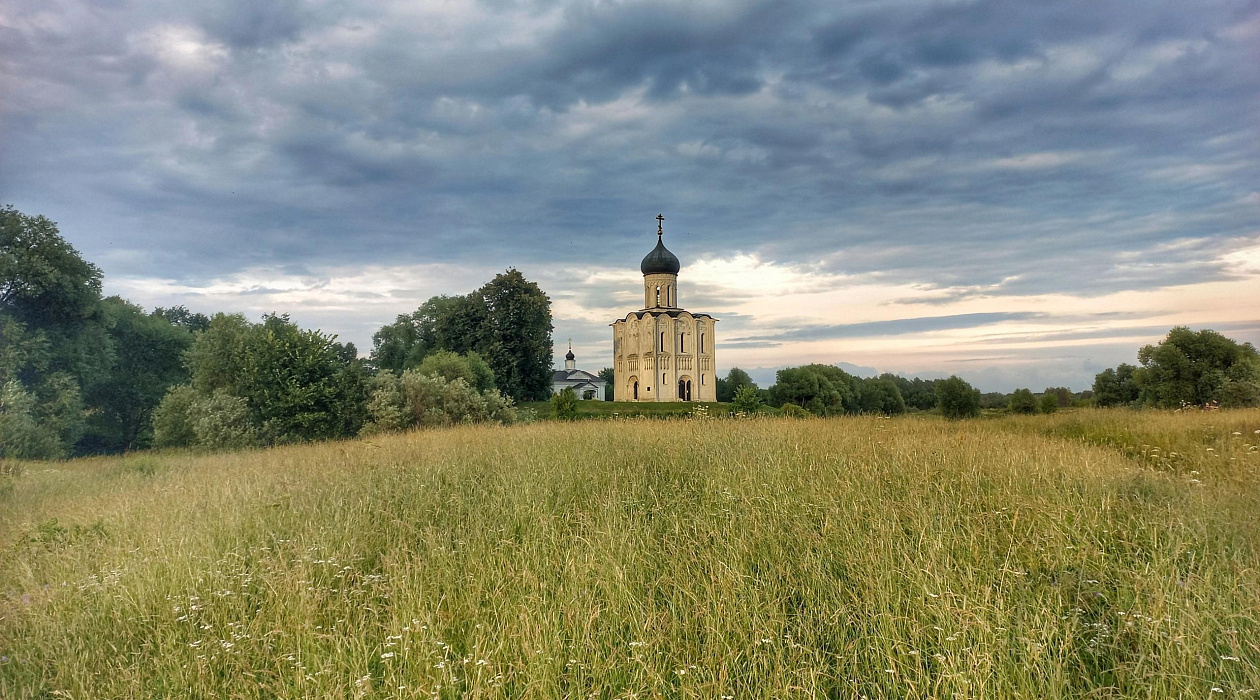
x: 1009, y: 147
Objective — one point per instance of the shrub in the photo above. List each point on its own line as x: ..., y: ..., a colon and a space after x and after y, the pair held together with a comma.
x: 22, y: 436
x: 451, y: 366
x: 957, y: 399
x: 416, y: 399
x: 1049, y: 403
x: 222, y: 421
x: 387, y: 407
x: 172, y: 419
x: 1236, y: 394
x: 747, y: 399
x: 791, y: 410
x: 564, y: 404
x: 1023, y: 401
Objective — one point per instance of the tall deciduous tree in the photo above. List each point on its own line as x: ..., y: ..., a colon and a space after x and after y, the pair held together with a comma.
x: 507, y: 322
x: 957, y: 399
x: 1197, y: 368
x: 1116, y: 387
x: 1023, y: 401
x: 880, y: 396
x: 148, y: 359
x: 821, y: 389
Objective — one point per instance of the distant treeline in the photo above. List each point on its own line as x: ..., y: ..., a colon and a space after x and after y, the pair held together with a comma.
x: 81, y: 374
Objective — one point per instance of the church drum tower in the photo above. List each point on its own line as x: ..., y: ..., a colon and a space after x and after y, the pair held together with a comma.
x: 663, y: 352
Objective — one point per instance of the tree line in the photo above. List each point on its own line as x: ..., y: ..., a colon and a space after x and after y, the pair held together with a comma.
x: 1186, y: 368
x: 83, y: 374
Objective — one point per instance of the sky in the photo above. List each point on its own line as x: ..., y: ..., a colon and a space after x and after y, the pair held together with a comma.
x: 1020, y: 193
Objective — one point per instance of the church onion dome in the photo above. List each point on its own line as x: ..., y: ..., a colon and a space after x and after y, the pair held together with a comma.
x: 660, y: 261
x: 569, y: 355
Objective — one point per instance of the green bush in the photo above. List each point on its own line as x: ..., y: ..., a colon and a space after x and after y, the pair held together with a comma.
x: 22, y: 435
x: 172, y: 419
x: 451, y: 366
x: 791, y: 410
x: 1049, y: 403
x: 1023, y: 401
x: 222, y: 421
x: 564, y: 404
x: 957, y: 399
x: 747, y: 399
x: 416, y: 399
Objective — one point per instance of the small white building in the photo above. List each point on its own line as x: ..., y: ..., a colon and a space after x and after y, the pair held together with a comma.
x: 587, y: 386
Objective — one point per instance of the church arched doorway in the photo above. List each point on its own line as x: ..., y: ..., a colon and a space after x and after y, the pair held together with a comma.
x: 684, y: 389
x: 634, y: 388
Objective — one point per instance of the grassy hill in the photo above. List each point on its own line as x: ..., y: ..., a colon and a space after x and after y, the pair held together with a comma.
x: 1109, y: 554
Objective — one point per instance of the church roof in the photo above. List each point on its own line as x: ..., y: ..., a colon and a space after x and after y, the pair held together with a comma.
x: 660, y: 260
x: 575, y: 375
x: 672, y: 313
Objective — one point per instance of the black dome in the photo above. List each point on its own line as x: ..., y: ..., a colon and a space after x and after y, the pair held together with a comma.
x: 569, y: 355
x: 660, y: 261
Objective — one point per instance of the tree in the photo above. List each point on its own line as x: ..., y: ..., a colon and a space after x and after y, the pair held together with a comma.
x: 51, y: 337
x: 147, y: 361
x: 728, y: 386
x: 1195, y: 368
x: 517, y: 338
x: 296, y: 384
x: 609, y: 377
x: 181, y: 316
x: 957, y: 399
x: 43, y: 280
x: 1062, y: 395
x: 747, y: 399
x: 880, y: 396
x: 821, y: 389
x: 507, y: 322
x: 919, y: 394
x: 217, y: 358
x: 1116, y: 387
x: 292, y: 381
x: 1049, y: 403
x: 1023, y: 401
x: 173, y: 420
x: 451, y: 366
x: 22, y: 434
x: 564, y: 403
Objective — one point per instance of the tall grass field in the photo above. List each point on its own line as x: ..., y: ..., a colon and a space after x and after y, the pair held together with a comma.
x: 1085, y: 554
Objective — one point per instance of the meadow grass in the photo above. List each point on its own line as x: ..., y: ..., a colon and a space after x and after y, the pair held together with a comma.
x: 1042, y: 557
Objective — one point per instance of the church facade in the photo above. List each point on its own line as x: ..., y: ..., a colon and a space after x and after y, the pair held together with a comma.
x: 663, y: 352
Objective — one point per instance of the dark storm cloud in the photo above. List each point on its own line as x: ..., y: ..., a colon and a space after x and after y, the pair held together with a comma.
x: 988, y: 147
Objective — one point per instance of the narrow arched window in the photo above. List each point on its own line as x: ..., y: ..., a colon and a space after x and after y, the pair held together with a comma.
x: 702, y: 349
x: 658, y: 295
x: 680, y: 342
x: 662, y: 379
x: 662, y: 341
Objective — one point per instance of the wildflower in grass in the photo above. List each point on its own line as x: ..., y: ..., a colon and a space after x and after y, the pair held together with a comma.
x: 387, y: 655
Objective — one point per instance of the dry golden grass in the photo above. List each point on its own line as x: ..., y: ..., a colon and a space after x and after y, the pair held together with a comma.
x: 1037, y: 557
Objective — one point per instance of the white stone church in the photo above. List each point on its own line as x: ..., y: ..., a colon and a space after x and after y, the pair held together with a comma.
x: 587, y: 386
x: 663, y: 352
